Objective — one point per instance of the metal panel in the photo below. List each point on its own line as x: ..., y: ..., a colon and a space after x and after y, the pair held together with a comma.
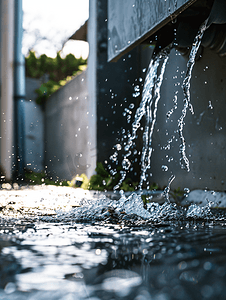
x: 132, y: 21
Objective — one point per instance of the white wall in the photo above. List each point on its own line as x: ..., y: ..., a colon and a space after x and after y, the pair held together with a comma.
x: 68, y: 126
x: 7, y: 59
x: 91, y: 84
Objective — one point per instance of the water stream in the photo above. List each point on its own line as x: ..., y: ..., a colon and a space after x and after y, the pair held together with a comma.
x: 148, y: 110
x: 184, y: 161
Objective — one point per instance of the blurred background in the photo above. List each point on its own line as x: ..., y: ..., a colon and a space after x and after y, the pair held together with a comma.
x: 49, y: 24
x: 59, y: 117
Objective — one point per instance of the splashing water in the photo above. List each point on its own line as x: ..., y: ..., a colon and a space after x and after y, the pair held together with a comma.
x: 148, y: 110
x: 130, y: 210
x: 152, y: 100
x: 36, y: 205
x: 151, y: 96
x: 184, y: 161
x: 167, y: 189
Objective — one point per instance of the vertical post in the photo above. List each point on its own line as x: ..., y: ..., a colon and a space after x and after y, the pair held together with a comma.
x: 19, y: 91
x: 92, y: 67
x: 7, y: 31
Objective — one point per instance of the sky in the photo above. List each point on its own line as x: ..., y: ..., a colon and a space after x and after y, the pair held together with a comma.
x: 49, y: 23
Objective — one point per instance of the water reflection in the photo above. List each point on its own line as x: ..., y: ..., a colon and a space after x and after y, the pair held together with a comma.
x: 75, y: 261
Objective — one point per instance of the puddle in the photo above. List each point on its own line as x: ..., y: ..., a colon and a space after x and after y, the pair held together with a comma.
x: 109, y: 249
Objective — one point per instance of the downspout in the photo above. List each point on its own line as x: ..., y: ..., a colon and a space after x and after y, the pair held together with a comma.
x: 92, y: 89
x: 7, y: 31
x: 19, y: 92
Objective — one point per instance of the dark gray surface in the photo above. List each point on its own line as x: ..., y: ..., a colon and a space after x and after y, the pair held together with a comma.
x: 204, y: 131
x: 66, y: 130
x: 115, y: 89
x: 132, y: 21
x: 34, y: 128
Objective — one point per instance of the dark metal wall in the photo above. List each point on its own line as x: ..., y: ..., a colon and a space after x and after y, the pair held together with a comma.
x: 129, y: 23
x: 132, y: 21
x: 115, y: 88
x: 204, y: 131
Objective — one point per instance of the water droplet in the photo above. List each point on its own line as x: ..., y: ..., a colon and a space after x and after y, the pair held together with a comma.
x: 145, y: 251
x: 126, y: 163
x: 200, y: 118
x: 186, y: 191
x: 137, y: 94
x: 164, y: 168
x: 10, y: 288
x: 210, y: 105
x: 98, y: 251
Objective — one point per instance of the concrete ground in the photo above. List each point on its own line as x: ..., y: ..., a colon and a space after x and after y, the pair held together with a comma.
x: 48, y: 201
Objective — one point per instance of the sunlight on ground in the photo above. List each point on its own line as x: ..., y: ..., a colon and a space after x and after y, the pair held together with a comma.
x: 44, y: 199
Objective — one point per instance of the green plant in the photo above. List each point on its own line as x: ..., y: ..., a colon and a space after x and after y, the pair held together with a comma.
x: 59, y: 71
x: 104, y: 181
x: 34, y: 178
x: 153, y: 186
x: 177, y: 193
x: 146, y: 198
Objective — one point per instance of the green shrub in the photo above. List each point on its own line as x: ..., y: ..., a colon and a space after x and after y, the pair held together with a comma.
x: 59, y: 70
x: 34, y: 178
x: 103, y: 181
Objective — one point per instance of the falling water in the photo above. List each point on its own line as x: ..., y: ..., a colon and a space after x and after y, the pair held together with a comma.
x: 184, y: 161
x: 147, y: 108
x: 167, y: 189
x: 152, y: 98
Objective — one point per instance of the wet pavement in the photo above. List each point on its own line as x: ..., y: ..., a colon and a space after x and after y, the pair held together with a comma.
x: 65, y: 243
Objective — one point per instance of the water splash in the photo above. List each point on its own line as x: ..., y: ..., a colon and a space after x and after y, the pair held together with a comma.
x: 130, y: 209
x: 151, y: 113
x: 171, y: 111
x: 147, y: 108
x: 167, y: 189
x: 184, y: 161
x: 34, y: 205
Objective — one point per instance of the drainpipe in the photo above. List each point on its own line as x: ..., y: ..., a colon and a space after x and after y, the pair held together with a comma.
x: 19, y: 91
x: 92, y: 91
x: 7, y: 30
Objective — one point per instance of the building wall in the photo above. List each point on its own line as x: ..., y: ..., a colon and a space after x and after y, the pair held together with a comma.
x: 67, y: 129
x: 204, y: 131
x: 34, y: 128
x: 91, y: 85
x: 7, y: 85
x: 115, y: 89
